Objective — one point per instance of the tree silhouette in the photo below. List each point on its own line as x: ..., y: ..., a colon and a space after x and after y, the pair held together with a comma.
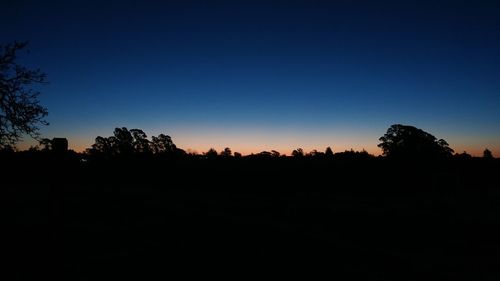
x: 275, y: 153
x: 328, y: 152
x: 211, y: 153
x: 316, y: 153
x: 487, y: 154
x: 401, y: 141
x: 299, y: 152
x: 226, y: 152
x: 264, y: 155
x: 123, y: 140
x: 140, y: 143
x: 135, y: 141
x: 20, y: 111
x: 46, y: 144
x: 163, y: 144
x: 102, y: 145
x: 464, y: 155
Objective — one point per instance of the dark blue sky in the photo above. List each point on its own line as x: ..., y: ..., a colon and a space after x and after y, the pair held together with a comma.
x: 265, y: 75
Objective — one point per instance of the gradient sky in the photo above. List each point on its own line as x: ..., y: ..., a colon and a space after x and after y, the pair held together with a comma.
x: 265, y: 75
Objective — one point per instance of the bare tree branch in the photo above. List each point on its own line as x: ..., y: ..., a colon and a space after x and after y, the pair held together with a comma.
x: 20, y: 110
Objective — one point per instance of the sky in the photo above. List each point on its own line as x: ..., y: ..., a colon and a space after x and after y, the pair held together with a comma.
x: 263, y: 75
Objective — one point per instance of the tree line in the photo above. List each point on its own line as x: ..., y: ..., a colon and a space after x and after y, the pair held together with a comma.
x: 135, y: 142
x: 400, y: 142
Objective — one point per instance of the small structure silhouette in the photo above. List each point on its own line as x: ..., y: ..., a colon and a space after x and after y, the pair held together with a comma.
x: 59, y: 145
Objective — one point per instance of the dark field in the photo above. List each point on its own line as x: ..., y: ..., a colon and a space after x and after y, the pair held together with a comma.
x: 138, y: 219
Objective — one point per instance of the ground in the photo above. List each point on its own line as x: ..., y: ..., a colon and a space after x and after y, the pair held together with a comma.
x: 364, y: 218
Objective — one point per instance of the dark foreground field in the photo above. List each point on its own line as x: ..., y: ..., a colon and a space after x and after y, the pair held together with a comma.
x: 151, y: 220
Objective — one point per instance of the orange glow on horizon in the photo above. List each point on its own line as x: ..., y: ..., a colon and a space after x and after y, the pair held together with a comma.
x: 255, y: 141
x: 80, y: 145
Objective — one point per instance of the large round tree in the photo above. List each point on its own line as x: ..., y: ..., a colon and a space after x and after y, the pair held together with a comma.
x: 402, y: 141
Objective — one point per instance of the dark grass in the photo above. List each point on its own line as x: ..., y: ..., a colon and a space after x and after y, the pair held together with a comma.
x: 349, y: 218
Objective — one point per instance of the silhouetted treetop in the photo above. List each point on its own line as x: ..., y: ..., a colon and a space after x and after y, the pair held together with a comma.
x: 135, y: 141
x: 464, y: 155
x: 102, y: 145
x: 353, y: 155
x: 226, y: 152
x: 316, y: 153
x: 211, y: 153
x: 487, y: 154
x: 141, y: 144
x: 20, y: 111
x: 163, y: 144
x: 123, y: 140
x: 402, y: 141
x: 46, y: 144
x: 328, y: 152
x: 299, y: 152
